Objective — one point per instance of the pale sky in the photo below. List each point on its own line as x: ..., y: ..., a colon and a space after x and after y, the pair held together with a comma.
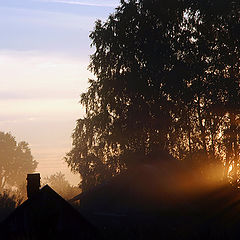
x: 44, y: 54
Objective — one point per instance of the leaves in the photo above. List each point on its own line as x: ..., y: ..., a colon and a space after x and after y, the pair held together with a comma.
x: 15, y: 161
x: 167, y: 77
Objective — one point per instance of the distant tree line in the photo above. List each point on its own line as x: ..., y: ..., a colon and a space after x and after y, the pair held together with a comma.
x: 60, y: 184
x: 167, y: 77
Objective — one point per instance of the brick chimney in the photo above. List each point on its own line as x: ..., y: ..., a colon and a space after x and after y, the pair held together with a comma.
x: 33, y: 184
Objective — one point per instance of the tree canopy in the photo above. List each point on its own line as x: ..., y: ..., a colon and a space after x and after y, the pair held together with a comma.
x: 16, y: 161
x: 167, y: 77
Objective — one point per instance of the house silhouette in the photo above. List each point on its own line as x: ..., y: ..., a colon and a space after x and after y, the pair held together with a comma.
x: 46, y: 215
x: 165, y: 199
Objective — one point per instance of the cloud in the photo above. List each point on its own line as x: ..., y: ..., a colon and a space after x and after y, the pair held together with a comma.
x: 39, y: 75
x: 93, y: 3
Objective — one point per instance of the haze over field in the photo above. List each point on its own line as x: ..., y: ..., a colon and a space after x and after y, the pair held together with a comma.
x: 44, y: 54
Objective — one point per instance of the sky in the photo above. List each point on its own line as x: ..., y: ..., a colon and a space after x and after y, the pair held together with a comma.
x: 44, y: 54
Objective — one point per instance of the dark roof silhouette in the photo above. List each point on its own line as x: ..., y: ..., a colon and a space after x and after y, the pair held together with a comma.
x: 144, y: 179
x: 165, y: 199
x: 144, y: 186
x: 46, y: 216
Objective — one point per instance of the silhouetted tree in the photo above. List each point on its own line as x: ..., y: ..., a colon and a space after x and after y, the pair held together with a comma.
x: 209, y: 46
x: 167, y: 77
x: 16, y: 161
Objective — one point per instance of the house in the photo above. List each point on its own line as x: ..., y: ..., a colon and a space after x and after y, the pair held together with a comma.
x: 45, y: 215
x: 165, y: 199
x: 143, y: 187
x: 138, y: 203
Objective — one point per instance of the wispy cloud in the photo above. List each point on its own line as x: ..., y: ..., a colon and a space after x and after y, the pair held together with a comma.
x: 37, y: 75
x: 93, y: 4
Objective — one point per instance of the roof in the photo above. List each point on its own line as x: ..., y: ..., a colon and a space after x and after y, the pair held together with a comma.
x: 163, y: 198
x: 134, y: 175
x: 140, y: 186
x: 46, y: 214
x: 161, y: 182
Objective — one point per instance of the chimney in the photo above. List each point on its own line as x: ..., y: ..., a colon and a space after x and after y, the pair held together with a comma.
x: 33, y: 184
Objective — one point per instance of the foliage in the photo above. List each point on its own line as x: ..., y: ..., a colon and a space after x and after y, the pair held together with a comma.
x: 16, y: 161
x: 167, y: 77
x: 8, y: 202
x: 59, y: 184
